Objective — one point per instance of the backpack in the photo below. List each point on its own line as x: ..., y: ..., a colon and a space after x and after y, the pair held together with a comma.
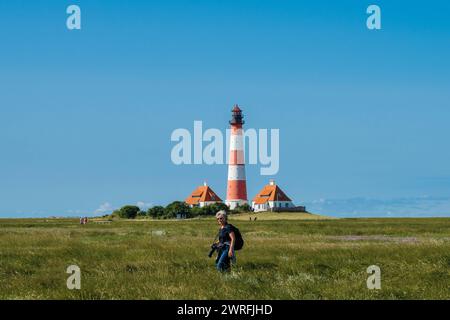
x: 239, y: 241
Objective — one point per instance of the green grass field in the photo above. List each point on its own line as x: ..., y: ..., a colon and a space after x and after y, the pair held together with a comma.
x: 296, y: 257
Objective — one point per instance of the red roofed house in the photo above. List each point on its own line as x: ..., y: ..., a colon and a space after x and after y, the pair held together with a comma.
x: 202, y: 196
x: 271, y: 198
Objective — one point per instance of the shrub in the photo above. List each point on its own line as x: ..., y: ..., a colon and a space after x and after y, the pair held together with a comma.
x: 196, y: 211
x: 177, y: 207
x: 156, y: 212
x: 242, y: 208
x: 142, y: 214
x: 128, y: 212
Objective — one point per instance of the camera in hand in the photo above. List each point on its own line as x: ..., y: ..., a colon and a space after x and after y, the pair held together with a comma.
x: 214, y: 247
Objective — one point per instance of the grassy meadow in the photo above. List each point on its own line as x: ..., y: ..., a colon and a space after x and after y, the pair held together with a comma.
x: 289, y: 256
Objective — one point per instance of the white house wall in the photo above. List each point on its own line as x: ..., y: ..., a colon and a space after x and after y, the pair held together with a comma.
x: 271, y: 204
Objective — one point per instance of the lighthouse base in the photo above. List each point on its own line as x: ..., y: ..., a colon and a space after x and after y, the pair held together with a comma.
x: 232, y: 204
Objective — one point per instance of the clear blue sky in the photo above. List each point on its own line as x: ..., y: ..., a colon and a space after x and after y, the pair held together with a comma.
x: 86, y: 116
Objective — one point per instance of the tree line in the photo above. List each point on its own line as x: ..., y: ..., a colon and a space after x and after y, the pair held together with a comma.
x: 174, y: 209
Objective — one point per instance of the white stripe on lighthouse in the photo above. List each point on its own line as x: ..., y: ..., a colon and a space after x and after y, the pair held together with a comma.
x: 236, y: 142
x: 236, y: 172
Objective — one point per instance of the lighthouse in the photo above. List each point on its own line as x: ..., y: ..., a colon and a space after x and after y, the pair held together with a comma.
x: 237, y: 186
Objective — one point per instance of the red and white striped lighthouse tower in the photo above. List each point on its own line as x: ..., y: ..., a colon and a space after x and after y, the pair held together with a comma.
x: 237, y: 186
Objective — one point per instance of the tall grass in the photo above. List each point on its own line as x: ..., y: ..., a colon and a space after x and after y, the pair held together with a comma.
x: 284, y: 259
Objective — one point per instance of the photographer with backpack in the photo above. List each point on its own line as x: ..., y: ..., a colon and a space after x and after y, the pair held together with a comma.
x: 230, y: 239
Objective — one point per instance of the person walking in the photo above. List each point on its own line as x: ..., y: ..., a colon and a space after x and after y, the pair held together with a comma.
x: 227, y: 239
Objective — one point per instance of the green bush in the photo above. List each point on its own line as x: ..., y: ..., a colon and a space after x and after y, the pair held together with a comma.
x: 142, y: 214
x: 128, y: 212
x: 177, y: 207
x: 242, y: 208
x: 156, y: 212
x: 196, y: 211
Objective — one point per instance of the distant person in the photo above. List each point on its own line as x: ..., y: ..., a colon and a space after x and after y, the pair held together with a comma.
x: 255, y: 219
x: 81, y: 220
x: 226, y: 243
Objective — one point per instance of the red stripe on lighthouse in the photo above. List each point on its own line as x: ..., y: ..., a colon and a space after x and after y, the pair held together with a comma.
x: 237, y: 190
